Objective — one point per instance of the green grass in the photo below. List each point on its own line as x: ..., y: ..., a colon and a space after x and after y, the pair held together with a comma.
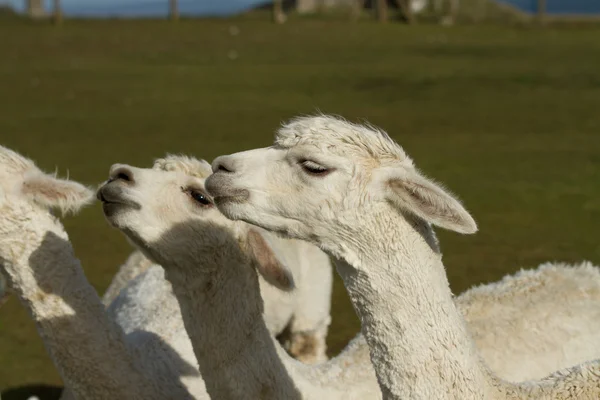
x: 508, y: 118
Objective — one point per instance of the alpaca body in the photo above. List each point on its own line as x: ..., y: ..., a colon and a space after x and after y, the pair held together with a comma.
x: 135, y: 265
x: 354, y: 192
x: 537, y: 321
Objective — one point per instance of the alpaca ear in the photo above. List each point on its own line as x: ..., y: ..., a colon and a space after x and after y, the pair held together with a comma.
x: 412, y: 192
x: 267, y: 263
x: 54, y: 193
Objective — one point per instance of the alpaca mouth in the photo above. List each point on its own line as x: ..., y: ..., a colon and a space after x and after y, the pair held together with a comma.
x: 220, y: 188
x: 235, y: 196
x: 113, y: 201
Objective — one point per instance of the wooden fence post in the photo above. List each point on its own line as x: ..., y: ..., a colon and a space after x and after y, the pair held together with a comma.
x: 35, y: 9
x: 406, y: 9
x: 356, y: 8
x: 541, y: 11
x: 454, y: 9
x: 382, y: 10
x: 278, y: 14
x: 57, y: 13
x: 173, y: 10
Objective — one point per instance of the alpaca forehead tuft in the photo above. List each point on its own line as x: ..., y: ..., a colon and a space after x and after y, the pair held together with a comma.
x: 342, y: 137
x: 180, y: 163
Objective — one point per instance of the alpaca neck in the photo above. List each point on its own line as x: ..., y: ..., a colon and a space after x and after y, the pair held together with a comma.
x: 221, y: 307
x: 418, y: 341
x: 70, y: 318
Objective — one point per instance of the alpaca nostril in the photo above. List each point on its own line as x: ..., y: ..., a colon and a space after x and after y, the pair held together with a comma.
x: 122, y: 174
x: 222, y: 168
x: 223, y: 164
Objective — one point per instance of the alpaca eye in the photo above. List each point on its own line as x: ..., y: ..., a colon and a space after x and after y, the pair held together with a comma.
x: 313, y: 168
x: 199, y: 197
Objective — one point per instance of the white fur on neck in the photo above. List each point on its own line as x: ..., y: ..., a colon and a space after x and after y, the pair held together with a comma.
x: 63, y: 304
x: 412, y: 329
x: 238, y: 357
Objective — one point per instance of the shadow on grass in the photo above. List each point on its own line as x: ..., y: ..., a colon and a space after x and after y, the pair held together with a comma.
x: 41, y: 392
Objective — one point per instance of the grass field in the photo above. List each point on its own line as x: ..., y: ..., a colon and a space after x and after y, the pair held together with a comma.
x: 508, y: 118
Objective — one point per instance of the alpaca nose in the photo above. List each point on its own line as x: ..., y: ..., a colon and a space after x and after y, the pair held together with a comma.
x: 224, y: 164
x: 122, y: 173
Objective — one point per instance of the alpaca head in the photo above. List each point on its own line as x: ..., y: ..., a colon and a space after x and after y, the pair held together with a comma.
x: 167, y: 212
x: 27, y: 197
x: 320, y: 174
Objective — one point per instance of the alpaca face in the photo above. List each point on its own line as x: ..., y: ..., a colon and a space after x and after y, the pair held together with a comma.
x: 149, y: 204
x: 167, y: 213
x: 291, y: 191
x: 323, y: 174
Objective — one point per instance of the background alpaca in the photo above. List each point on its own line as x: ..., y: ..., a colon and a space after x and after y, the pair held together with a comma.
x: 135, y: 265
x: 552, y: 310
x: 357, y: 194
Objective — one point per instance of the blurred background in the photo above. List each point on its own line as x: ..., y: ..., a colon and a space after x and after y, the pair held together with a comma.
x: 499, y: 100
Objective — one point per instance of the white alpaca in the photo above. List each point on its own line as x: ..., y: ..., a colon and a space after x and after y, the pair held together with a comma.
x: 303, y: 316
x: 36, y: 258
x: 558, y: 309
x: 354, y: 192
